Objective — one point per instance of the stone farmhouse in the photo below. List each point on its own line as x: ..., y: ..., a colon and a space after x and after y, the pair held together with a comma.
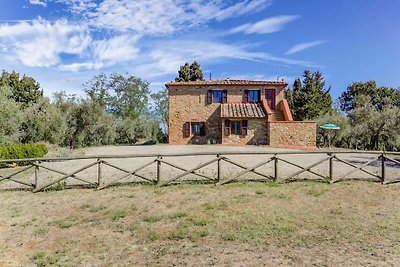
x: 235, y: 112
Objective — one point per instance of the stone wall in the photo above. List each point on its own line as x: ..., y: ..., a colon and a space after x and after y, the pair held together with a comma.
x: 292, y: 134
x: 256, y: 134
x: 189, y: 104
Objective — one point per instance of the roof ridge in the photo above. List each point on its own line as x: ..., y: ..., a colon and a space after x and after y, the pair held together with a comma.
x: 228, y: 82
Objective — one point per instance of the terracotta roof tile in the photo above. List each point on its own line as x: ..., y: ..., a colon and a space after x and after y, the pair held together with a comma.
x: 228, y: 82
x: 242, y: 110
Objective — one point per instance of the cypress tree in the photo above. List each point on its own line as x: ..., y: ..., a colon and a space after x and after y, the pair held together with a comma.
x: 310, y: 99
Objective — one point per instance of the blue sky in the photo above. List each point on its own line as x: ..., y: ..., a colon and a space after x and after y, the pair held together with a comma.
x: 63, y: 43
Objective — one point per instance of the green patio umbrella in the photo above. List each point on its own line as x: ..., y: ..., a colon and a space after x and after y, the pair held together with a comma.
x: 329, y: 127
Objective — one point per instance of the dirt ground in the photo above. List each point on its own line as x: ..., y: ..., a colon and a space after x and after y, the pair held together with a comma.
x: 241, y: 224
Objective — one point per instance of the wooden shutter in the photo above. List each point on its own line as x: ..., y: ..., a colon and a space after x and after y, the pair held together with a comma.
x: 227, y: 128
x: 244, y: 127
x: 202, y: 128
x: 246, y: 96
x: 186, y: 129
x: 209, y: 96
x: 224, y: 96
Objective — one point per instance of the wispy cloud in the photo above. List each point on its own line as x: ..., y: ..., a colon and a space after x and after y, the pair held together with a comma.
x: 159, y: 17
x: 78, y: 6
x: 107, y: 52
x: 303, y: 46
x: 38, y: 2
x: 40, y: 43
x: 146, y: 37
x: 166, y: 57
x: 269, y: 25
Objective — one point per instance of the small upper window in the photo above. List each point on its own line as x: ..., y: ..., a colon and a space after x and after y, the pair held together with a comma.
x: 254, y: 95
x: 217, y: 96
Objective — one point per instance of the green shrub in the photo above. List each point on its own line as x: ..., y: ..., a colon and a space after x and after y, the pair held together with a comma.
x: 22, y: 151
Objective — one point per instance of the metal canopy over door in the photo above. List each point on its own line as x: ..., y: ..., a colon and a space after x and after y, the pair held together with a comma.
x: 270, y: 97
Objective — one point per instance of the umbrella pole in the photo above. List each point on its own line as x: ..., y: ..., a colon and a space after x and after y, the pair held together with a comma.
x: 329, y: 138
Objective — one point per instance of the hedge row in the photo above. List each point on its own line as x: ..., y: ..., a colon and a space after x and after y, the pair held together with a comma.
x: 23, y: 151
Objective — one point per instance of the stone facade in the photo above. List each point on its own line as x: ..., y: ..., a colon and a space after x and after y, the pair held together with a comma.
x: 188, y: 104
x: 256, y: 134
x: 292, y: 133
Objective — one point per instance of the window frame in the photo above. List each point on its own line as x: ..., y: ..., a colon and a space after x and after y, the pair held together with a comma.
x: 222, y: 97
x: 194, y: 128
x: 219, y: 96
x: 231, y: 127
x: 236, y: 126
x: 251, y: 95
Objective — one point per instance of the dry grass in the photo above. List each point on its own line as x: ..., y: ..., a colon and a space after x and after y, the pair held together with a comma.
x: 239, y: 224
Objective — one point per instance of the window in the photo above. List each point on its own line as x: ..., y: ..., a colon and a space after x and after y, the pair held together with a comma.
x: 194, y: 128
x: 217, y: 96
x: 237, y: 127
x: 254, y: 95
x: 251, y: 96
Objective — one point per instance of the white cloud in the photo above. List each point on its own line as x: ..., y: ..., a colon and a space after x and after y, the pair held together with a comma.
x: 269, y: 25
x: 166, y: 57
x: 161, y: 17
x: 40, y: 43
x: 74, y: 67
x: 118, y: 49
x: 78, y: 6
x: 303, y: 46
x: 38, y: 2
x: 107, y: 52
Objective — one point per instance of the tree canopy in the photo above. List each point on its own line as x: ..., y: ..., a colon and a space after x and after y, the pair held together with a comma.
x: 309, y: 99
x: 23, y: 90
x: 123, y: 95
x: 190, y: 72
x: 378, y: 96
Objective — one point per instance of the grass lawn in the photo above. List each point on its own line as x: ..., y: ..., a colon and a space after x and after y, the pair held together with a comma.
x: 240, y: 224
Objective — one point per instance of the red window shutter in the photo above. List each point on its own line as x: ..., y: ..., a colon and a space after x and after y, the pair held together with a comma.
x: 202, y: 128
x: 227, y: 128
x: 209, y: 96
x: 186, y: 129
x: 246, y: 96
x: 224, y: 96
x: 244, y: 127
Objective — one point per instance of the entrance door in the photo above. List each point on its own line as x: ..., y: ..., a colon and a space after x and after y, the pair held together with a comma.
x: 270, y: 97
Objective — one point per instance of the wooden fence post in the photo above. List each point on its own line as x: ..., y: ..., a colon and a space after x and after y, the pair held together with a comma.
x: 330, y: 166
x: 218, y: 169
x: 99, y: 176
x: 383, y: 174
x: 276, y: 168
x: 36, y: 173
x: 158, y: 170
